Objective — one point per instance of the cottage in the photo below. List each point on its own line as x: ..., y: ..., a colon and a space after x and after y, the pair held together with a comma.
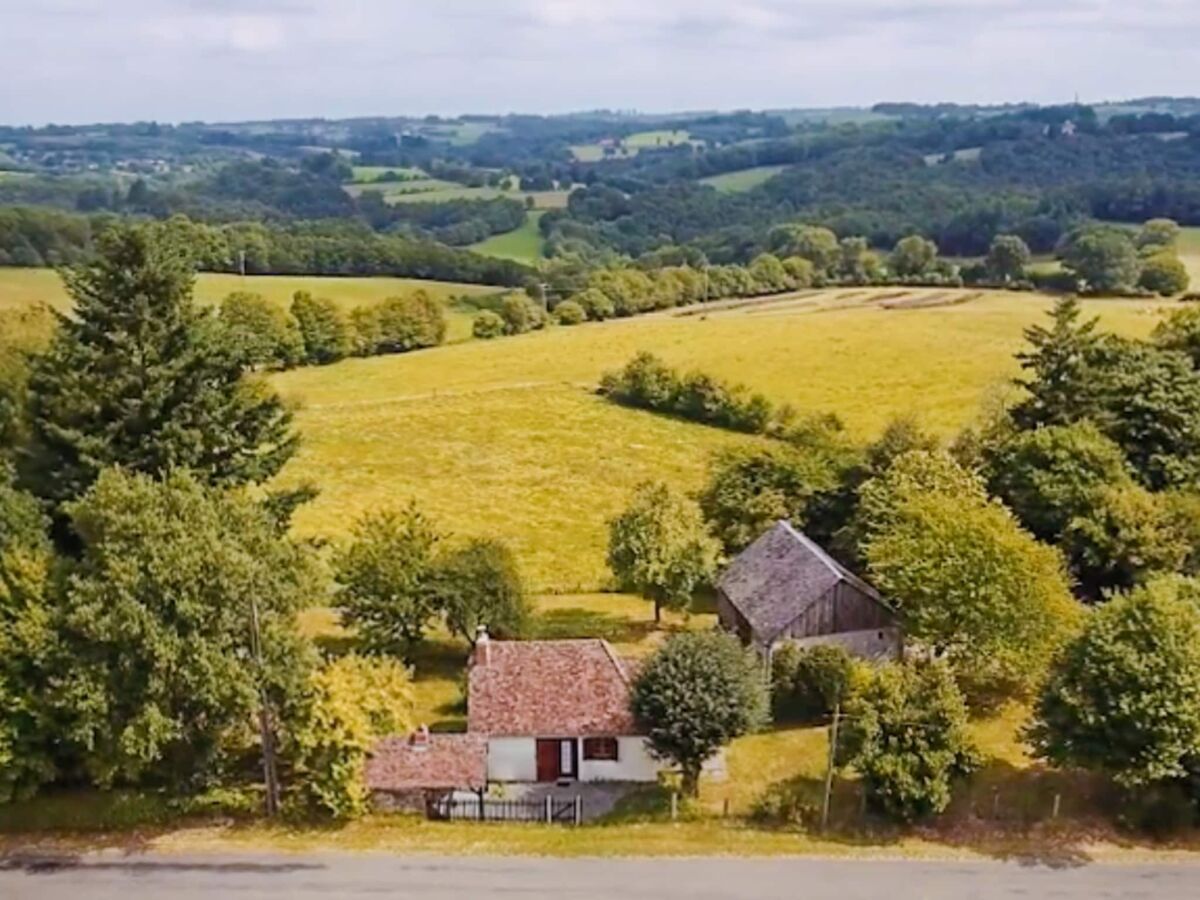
x: 784, y: 588
x: 555, y: 710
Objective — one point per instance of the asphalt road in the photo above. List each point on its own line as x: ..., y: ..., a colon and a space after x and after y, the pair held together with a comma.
x: 328, y: 876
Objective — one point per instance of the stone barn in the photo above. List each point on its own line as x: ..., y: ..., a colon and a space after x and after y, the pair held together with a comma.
x: 784, y: 588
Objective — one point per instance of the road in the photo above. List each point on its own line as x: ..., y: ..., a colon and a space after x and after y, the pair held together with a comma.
x: 252, y: 877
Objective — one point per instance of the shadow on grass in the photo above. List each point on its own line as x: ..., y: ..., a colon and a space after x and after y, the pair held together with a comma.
x: 442, y: 660
x: 562, y: 624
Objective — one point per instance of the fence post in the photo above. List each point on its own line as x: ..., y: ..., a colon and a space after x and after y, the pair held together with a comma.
x: 482, y: 813
x: 549, y: 809
x: 674, y: 805
x: 1057, y: 805
x: 996, y: 803
x: 578, y: 810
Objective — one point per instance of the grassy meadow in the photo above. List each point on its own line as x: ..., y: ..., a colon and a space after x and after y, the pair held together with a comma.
x: 633, y: 144
x: 742, y: 179
x: 23, y: 287
x: 435, y: 190
x: 523, y: 244
x: 507, y: 438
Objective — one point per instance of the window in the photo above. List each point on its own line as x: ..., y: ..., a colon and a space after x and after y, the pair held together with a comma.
x: 600, y: 748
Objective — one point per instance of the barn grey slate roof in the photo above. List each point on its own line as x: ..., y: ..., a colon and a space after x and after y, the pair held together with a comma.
x: 777, y: 577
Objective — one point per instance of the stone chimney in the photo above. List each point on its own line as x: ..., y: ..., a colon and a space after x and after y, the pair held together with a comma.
x: 420, y: 738
x: 483, y: 646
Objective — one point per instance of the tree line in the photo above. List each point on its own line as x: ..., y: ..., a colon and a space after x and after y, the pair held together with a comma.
x: 39, y: 237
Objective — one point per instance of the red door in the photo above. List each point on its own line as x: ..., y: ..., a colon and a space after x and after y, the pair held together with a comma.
x: 548, y: 756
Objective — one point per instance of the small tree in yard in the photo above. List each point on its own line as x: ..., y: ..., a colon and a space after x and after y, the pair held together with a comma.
x: 351, y: 703
x: 385, y: 579
x: 906, y: 734
x: 660, y: 548
x: 1124, y: 697
x: 696, y: 694
x: 480, y: 584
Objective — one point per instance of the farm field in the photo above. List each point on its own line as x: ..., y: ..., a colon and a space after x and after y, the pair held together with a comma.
x: 512, y: 426
x: 368, y: 174
x: 23, y: 287
x: 633, y: 144
x: 1189, y: 252
x: 742, y: 179
x: 523, y: 244
x: 433, y: 190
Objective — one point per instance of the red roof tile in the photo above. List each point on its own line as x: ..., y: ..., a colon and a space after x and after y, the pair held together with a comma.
x: 446, y: 761
x: 549, y: 689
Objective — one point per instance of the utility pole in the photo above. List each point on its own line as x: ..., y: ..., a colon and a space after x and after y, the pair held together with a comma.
x: 265, y: 722
x: 833, y: 737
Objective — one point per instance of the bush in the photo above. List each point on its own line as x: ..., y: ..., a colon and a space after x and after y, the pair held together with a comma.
x: 520, y: 314
x: 806, y: 685
x: 487, y: 325
x: 409, y: 323
x: 907, y: 735
x: 569, y: 313
x: 595, y: 304
x: 1164, y: 273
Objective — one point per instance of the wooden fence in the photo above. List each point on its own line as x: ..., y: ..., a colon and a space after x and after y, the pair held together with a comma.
x: 479, y: 808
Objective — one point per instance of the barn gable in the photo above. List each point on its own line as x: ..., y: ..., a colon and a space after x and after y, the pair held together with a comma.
x: 784, y: 585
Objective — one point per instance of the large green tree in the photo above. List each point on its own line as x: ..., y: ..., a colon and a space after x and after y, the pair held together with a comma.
x: 480, y: 584
x: 384, y: 573
x: 1007, y: 258
x: 660, y: 547
x: 261, y: 333
x: 1056, y: 363
x: 138, y: 377
x: 698, y: 692
x: 161, y: 623
x: 1124, y: 697
x: 972, y: 585
x: 1103, y: 258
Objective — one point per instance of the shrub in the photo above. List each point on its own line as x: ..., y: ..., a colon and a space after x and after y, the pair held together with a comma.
x: 352, y: 703
x: 595, y: 304
x: 807, y: 684
x: 410, y: 322
x: 487, y: 325
x: 323, y: 328
x: 520, y: 314
x: 569, y: 313
x: 907, y: 735
x: 1164, y: 273
x: 259, y: 332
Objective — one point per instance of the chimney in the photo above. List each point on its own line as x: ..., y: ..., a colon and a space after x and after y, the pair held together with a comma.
x: 420, y: 738
x: 483, y: 646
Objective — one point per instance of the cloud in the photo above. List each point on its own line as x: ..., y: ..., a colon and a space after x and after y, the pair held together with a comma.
x: 88, y: 60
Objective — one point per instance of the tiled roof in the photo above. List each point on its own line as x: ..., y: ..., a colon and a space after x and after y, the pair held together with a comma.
x: 549, y: 689
x: 446, y: 761
x: 774, y: 579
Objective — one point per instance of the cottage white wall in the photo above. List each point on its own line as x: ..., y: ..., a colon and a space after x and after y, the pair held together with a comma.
x: 512, y: 759
x: 633, y: 763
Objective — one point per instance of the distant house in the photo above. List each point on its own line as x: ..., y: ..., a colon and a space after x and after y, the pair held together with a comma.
x: 784, y: 588
x: 537, y: 711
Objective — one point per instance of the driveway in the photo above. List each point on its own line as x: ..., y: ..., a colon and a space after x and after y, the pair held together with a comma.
x: 258, y: 877
x: 598, y: 798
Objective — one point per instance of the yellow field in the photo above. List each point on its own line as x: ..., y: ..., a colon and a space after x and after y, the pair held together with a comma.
x: 23, y: 287
x: 506, y: 438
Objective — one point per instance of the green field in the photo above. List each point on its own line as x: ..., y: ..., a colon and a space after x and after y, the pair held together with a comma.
x: 633, y: 144
x: 22, y: 287
x: 367, y: 174
x: 523, y: 244
x: 1189, y: 251
x: 506, y: 438
x: 433, y: 190
x: 742, y: 179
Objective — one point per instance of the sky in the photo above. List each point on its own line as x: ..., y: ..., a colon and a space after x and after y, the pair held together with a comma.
x: 73, y: 61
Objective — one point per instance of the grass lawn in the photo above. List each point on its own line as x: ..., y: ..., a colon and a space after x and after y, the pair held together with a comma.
x: 23, y: 287
x: 742, y: 179
x: 524, y: 244
x: 506, y: 438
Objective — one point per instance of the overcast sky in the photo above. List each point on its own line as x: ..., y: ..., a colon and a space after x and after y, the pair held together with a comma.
x: 174, y: 60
